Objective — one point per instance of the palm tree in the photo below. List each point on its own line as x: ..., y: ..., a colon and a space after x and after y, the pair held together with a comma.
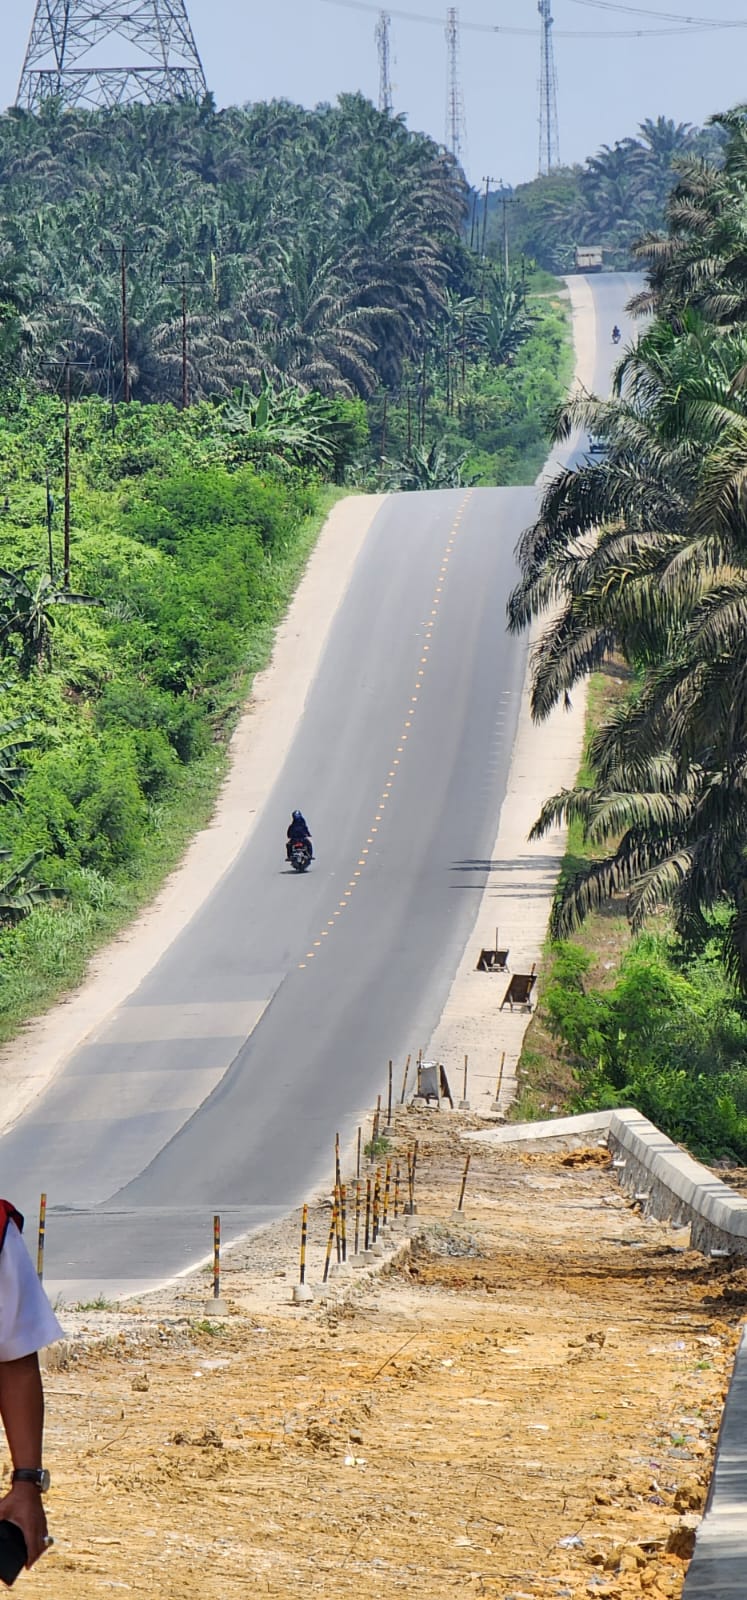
x: 27, y: 607
x: 20, y: 892
x: 646, y: 553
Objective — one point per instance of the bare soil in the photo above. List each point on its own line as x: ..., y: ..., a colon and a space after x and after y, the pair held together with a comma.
x: 526, y: 1405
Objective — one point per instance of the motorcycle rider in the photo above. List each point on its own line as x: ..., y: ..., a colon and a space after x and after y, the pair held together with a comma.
x: 297, y: 829
x: 616, y: 335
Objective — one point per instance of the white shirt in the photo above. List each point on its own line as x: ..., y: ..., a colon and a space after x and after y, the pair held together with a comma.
x: 27, y: 1321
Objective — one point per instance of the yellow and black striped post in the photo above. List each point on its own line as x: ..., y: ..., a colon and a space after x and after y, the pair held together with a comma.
x: 404, y: 1081
x: 338, y: 1235
x: 330, y: 1238
x: 338, y: 1174
x: 42, y: 1236
x: 357, y: 1212
x: 414, y: 1165
x: 376, y: 1204
x: 343, y: 1221
x: 387, y: 1185
x: 216, y: 1258
x: 389, y: 1097
x: 460, y: 1201
x: 497, y: 1102
x: 396, y: 1191
x: 367, y: 1232
x: 304, y: 1235
x: 358, y: 1156
x: 466, y: 1068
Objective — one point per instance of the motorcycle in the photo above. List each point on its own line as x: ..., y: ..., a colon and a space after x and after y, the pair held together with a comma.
x: 300, y: 855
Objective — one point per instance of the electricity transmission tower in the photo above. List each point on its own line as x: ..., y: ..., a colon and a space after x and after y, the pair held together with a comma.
x: 549, y: 138
x: 455, y: 126
x: 383, y: 41
x: 78, y: 50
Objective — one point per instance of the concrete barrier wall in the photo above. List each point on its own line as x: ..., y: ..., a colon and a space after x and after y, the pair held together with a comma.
x: 673, y: 1187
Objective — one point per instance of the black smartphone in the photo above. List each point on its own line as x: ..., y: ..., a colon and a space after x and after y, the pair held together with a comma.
x: 13, y: 1552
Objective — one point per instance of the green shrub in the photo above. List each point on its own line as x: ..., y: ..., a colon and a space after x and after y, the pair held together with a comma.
x: 670, y: 1037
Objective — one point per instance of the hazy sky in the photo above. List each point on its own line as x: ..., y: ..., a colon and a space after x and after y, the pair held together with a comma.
x: 311, y: 50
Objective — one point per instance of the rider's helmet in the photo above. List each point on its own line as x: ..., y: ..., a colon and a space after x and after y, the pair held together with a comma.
x: 298, y: 816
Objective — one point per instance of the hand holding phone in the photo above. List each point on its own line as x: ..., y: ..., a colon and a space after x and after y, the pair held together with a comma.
x: 13, y: 1552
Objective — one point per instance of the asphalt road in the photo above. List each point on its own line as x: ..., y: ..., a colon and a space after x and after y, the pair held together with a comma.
x: 268, y: 1023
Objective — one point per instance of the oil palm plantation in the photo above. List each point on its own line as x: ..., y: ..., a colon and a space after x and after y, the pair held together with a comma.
x: 644, y: 554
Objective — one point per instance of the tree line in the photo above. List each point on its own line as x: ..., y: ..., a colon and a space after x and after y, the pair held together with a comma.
x: 610, y: 200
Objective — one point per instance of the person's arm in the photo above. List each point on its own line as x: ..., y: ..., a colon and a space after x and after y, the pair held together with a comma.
x: 22, y: 1412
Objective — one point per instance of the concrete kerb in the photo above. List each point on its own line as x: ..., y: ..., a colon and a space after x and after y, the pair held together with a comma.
x: 677, y: 1188
x: 718, y: 1569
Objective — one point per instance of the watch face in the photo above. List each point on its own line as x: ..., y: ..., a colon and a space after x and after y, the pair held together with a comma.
x: 44, y: 1480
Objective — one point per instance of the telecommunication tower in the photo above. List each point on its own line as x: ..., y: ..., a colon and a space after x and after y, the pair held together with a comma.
x: 455, y: 128
x: 549, y: 136
x: 78, y: 54
x: 383, y: 41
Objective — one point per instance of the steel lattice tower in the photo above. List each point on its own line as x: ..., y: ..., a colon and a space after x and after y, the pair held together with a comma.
x: 77, y: 54
x: 455, y: 129
x: 383, y: 41
x: 549, y: 137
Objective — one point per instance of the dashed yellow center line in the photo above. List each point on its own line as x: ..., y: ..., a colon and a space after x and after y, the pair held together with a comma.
x: 427, y: 626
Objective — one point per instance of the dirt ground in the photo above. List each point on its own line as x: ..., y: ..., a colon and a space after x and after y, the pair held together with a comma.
x: 526, y: 1405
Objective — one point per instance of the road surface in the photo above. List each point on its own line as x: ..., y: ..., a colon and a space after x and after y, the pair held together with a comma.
x: 268, y: 1023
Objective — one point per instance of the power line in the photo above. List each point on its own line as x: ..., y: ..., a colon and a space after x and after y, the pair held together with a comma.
x: 684, y: 27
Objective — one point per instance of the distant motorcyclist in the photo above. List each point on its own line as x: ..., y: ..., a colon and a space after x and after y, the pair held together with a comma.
x: 298, y: 829
x: 616, y: 335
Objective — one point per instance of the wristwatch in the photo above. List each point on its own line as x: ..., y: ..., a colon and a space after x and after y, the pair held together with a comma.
x: 37, y: 1475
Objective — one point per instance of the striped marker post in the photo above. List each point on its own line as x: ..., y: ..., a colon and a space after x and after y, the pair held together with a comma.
x: 216, y: 1258
x: 389, y: 1098
x: 404, y: 1081
x: 460, y: 1201
x: 367, y: 1233
x: 496, y: 1106
x: 343, y: 1221
x: 338, y: 1235
x: 387, y: 1185
x: 396, y: 1191
x: 357, y: 1212
x: 304, y: 1235
x: 376, y: 1204
x: 358, y: 1157
x: 330, y: 1239
x: 302, y: 1294
x: 41, y: 1236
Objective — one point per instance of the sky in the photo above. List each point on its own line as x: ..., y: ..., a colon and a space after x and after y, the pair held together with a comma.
x: 312, y: 50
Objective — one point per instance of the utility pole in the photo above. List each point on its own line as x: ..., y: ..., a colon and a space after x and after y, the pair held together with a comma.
x: 383, y: 42
x: 185, y: 370
x: 455, y: 125
x: 549, y: 133
x: 125, y: 329
x: 66, y: 535
x: 487, y: 182
x: 70, y: 40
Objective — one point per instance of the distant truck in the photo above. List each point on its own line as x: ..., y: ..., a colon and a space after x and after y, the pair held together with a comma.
x: 589, y: 257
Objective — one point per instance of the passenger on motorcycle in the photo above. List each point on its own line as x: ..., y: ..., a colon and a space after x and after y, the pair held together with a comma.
x: 298, y: 829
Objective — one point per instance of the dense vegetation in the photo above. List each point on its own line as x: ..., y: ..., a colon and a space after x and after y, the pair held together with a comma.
x: 118, y: 690
x: 645, y: 552
x: 323, y: 250
x: 612, y: 199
